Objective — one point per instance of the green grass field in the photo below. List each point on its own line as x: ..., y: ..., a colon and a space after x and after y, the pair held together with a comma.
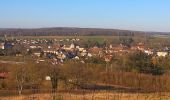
x: 152, y: 40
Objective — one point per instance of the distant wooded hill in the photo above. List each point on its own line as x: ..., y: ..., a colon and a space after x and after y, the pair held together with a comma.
x: 61, y: 31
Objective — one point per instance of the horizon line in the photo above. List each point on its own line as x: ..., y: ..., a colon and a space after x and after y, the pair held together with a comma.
x: 85, y: 28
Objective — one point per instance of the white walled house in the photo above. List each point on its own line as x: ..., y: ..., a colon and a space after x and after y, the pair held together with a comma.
x: 2, y: 46
x: 149, y: 52
x: 72, y: 46
x: 33, y: 47
x: 37, y: 54
x: 162, y: 54
x: 89, y: 55
x: 47, y: 78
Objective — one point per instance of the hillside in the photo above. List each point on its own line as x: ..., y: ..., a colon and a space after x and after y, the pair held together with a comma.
x: 66, y: 31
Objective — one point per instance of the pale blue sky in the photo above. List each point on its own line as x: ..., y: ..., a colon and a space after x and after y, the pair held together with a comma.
x: 144, y: 15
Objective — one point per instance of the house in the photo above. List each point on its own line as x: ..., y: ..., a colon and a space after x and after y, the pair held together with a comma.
x: 108, y: 58
x: 8, y: 45
x: 77, y: 39
x: 83, y: 54
x: 47, y: 78
x: 49, y: 47
x: 89, y: 55
x: 149, y: 52
x: 61, y: 56
x: 2, y: 46
x: 139, y: 46
x: 3, y: 75
x: 33, y: 46
x: 117, y: 49
x: 71, y: 55
x: 162, y: 54
x: 80, y: 49
x: 72, y: 46
x: 76, y: 58
x: 37, y: 54
x: 95, y: 51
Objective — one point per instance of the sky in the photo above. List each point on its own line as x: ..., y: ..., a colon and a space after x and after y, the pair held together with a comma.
x: 142, y: 15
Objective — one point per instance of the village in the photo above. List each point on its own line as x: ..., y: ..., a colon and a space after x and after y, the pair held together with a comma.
x: 59, y: 50
x: 84, y: 50
x: 68, y: 50
x: 56, y: 49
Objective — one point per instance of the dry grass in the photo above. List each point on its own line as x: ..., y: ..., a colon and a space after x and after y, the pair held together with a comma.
x: 95, y: 96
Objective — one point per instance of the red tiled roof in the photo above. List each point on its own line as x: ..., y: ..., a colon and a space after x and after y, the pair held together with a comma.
x: 3, y: 75
x: 108, y: 57
x: 95, y: 50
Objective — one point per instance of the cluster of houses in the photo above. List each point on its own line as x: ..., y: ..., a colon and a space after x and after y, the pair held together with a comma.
x: 59, y: 52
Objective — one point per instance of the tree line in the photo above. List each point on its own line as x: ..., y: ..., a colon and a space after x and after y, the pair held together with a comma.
x: 137, y: 70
